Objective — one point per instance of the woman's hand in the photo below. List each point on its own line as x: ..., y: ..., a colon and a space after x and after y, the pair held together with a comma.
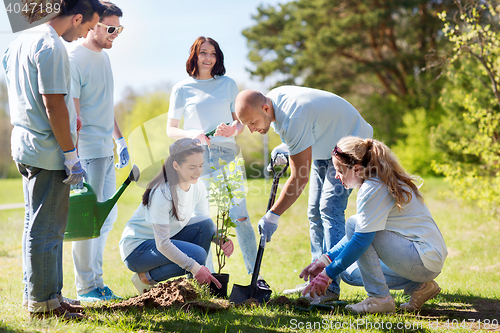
x: 203, y: 276
x: 318, y: 285
x: 194, y: 134
x: 226, y: 130
x: 312, y: 270
x: 227, y: 247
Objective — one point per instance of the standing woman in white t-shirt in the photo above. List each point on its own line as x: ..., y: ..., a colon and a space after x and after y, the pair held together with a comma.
x: 170, y: 233
x: 206, y: 101
x: 393, y: 238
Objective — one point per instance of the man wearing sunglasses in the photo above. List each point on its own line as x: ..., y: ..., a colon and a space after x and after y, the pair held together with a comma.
x: 92, y: 90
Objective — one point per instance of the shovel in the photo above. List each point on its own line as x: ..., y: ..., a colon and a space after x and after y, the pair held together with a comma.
x: 86, y: 216
x: 240, y: 293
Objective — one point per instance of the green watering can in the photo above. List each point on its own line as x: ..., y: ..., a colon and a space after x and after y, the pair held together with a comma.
x: 86, y: 215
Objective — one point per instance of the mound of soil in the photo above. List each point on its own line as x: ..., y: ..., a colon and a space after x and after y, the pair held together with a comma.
x: 177, y: 293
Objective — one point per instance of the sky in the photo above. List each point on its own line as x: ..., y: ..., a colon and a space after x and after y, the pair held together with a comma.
x: 152, y: 50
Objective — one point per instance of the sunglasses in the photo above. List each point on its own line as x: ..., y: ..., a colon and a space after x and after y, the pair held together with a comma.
x: 188, y: 144
x: 111, y: 29
x: 343, y: 157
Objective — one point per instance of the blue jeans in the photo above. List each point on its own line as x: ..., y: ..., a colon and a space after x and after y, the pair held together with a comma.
x: 46, y: 215
x: 194, y: 240
x: 391, y: 262
x: 238, y: 212
x: 88, y: 254
x: 327, y: 204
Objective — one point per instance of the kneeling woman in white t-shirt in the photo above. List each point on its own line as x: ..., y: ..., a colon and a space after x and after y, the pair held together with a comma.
x: 393, y: 237
x: 170, y: 233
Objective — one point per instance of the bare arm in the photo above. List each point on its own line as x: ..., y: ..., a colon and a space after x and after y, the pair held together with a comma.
x: 173, y: 130
x: 116, y: 131
x: 239, y: 126
x: 57, y: 113
x: 300, y: 166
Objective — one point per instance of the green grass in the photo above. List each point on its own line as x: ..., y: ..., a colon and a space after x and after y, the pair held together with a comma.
x: 469, y: 281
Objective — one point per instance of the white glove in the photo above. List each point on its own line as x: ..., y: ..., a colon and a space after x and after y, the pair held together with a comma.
x: 122, y: 152
x: 279, y: 155
x: 268, y: 225
x: 73, y: 167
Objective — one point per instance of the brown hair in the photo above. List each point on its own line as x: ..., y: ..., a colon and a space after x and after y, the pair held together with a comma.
x: 67, y: 8
x: 111, y: 10
x: 194, y: 51
x: 377, y: 160
x: 179, y: 151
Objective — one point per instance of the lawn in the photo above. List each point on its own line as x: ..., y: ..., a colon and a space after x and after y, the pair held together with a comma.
x: 469, y: 281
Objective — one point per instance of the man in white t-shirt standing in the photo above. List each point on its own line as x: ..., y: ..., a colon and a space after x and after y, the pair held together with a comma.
x: 309, y: 122
x: 92, y: 91
x: 41, y: 110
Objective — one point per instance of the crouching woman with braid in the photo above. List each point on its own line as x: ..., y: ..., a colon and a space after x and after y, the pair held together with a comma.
x: 393, y: 238
x: 170, y: 233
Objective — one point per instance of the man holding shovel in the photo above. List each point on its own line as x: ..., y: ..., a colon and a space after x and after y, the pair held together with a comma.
x: 92, y: 91
x: 309, y: 122
x: 42, y: 113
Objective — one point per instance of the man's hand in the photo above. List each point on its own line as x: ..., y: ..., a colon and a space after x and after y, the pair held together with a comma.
x: 279, y: 155
x: 73, y: 168
x: 268, y: 225
x: 122, y: 152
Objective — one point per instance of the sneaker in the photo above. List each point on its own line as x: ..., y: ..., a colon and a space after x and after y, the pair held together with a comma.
x: 298, y: 289
x: 262, y: 284
x: 329, y: 296
x: 109, y: 293
x: 427, y: 291
x: 60, y: 313
x: 373, y: 305
x: 139, y: 285
x: 94, y: 295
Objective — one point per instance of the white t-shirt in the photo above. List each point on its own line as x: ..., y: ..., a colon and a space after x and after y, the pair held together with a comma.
x: 205, y: 104
x: 307, y: 117
x: 92, y: 84
x: 37, y: 63
x: 141, y: 226
x: 377, y: 210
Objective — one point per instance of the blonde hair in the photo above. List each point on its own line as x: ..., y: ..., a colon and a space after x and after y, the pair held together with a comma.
x: 377, y: 160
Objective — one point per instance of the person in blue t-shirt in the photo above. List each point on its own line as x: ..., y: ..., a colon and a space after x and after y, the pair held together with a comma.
x: 206, y: 101
x: 309, y: 122
x: 92, y: 91
x: 43, y: 146
x: 393, y: 237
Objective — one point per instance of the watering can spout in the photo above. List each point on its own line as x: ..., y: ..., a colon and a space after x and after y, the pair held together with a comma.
x: 86, y: 215
x: 104, y: 208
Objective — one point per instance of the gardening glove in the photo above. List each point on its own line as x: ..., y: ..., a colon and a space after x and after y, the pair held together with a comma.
x: 194, y: 134
x: 122, y: 152
x: 318, y: 285
x: 279, y: 155
x: 227, y: 247
x: 73, y: 168
x: 227, y: 130
x: 268, y: 225
x: 313, y: 269
x: 203, y: 276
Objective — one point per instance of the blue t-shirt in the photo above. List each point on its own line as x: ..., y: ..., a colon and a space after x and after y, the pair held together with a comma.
x: 307, y: 117
x: 37, y: 63
x: 205, y: 104
x: 92, y: 84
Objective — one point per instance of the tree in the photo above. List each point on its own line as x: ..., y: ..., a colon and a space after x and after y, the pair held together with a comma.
x: 7, y: 165
x: 473, y: 103
x: 356, y: 48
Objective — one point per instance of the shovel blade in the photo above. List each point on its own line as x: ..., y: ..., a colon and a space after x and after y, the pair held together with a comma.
x: 240, y: 294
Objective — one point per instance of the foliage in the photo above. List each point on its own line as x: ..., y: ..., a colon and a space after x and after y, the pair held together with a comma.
x: 372, y: 52
x: 224, y: 188
x: 473, y: 90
